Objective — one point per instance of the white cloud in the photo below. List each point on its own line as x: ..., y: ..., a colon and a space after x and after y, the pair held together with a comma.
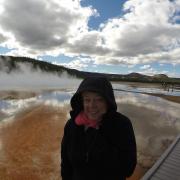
x: 43, y: 25
x: 2, y: 38
x: 142, y: 31
x: 147, y: 32
x: 78, y: 63
x: 147, y: 66
x: 26, y: 78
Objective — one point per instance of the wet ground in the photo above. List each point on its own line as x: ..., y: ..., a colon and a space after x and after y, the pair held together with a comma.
x: 31, y: 129
x: 30, y: 144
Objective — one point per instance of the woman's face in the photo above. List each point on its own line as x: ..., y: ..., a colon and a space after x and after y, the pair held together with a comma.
x: 94, y: 105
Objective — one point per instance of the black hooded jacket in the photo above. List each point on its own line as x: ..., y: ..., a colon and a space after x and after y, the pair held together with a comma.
x: 107, y: 153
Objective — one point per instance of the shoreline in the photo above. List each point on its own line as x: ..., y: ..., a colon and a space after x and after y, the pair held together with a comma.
x: 30, y: 121
x: 171, y: 98
x: 13, y: 95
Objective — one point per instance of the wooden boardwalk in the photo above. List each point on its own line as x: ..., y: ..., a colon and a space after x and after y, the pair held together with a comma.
x: 168, y: 165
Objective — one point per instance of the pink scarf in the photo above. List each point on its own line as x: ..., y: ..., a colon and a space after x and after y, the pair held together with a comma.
x: 82, y: 119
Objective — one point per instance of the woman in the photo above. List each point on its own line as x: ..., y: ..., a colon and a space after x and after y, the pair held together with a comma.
x: 98, y: 142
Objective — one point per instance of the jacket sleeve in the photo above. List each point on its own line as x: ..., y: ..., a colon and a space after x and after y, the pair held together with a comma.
x: 66, y: 168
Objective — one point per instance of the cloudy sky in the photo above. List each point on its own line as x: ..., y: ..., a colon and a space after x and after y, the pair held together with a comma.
x: 118, y: 36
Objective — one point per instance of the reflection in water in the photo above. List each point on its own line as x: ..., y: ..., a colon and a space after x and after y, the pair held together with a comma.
x: 55, y: 95
x: 151, y: 102
x: 156, y: 121
x: 11, y: 107
x: 56, y: 98
x: 146, y: 89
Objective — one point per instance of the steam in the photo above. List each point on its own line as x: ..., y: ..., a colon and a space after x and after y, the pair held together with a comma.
x: 25, y: 85
x: 26, y: 78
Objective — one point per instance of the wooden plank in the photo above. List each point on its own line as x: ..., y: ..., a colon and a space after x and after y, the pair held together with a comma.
x: 172, y: 164
x: 162, y: 173
x: 164, y: 176
x: 155, y: 178
x: 172, y: 171
x: 168, y: 165
x: 170, y: 158
x: 174, y: 153
x: 161, y: 176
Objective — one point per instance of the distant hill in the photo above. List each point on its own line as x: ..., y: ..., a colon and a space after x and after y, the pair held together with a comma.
x: 10, y: 64
x: 160, y: 76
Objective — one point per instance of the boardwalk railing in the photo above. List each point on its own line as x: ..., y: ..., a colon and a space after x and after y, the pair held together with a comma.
x: 168, y: 165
